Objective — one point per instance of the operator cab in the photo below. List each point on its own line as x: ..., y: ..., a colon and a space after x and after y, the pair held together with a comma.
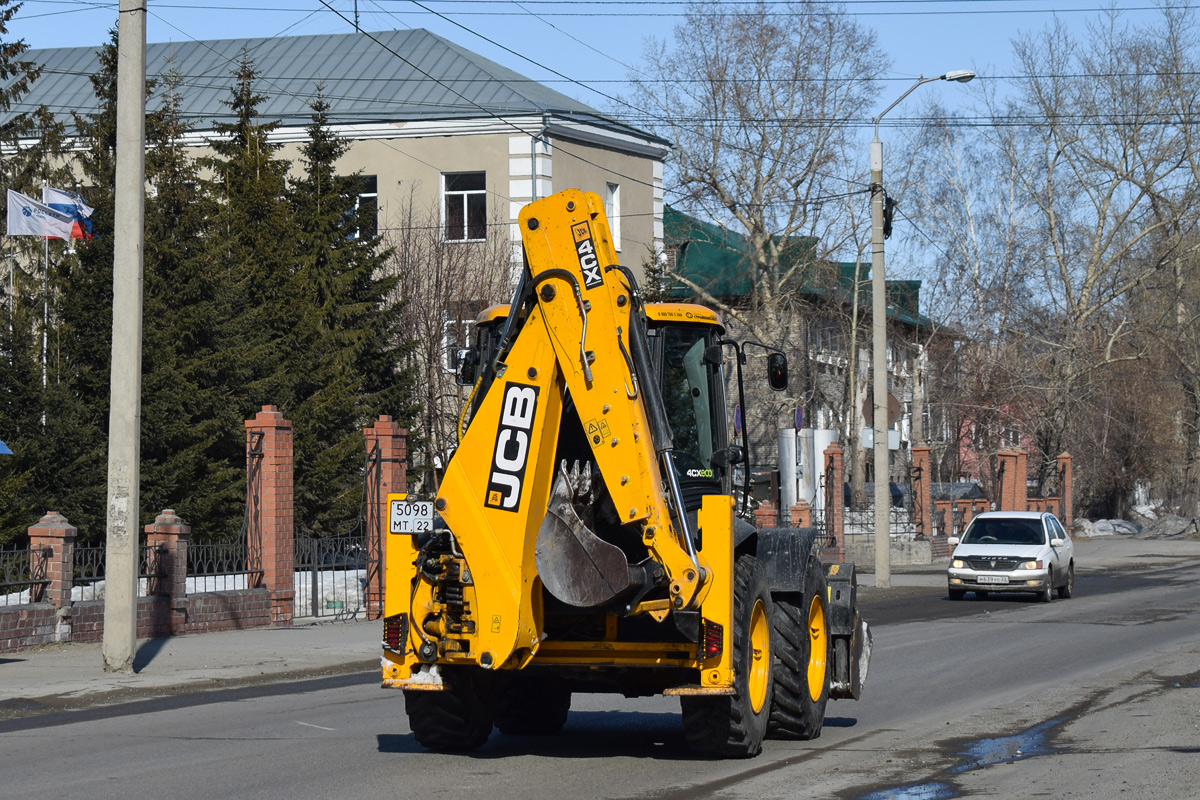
x: 693, y: 390
x: 686, y: 345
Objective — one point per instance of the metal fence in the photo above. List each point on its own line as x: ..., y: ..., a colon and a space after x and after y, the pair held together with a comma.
x: 221, y: 567
x: 331, y: 576
x: 22, y: 574
x: 859, y: 524
x: 88, y: 579
x: 87, y: 582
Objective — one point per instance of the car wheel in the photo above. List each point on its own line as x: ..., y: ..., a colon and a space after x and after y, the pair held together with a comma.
x: 1045, y: 594
x: 1068, y: 588
x: 957, y: 594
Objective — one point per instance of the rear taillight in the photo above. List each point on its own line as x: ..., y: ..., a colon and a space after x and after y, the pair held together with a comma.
x: 713, y: 641
x: 395, y: 633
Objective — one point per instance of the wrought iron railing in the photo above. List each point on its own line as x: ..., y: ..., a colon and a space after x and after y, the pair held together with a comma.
x: 23, y: 574
x: 331, y: 576
x: 87, y: 582
x: 89, y: 574
x: 221, y: 566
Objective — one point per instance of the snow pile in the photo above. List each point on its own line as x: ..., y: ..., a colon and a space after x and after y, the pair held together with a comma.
x: 1170, y: 526
x: 1104, y: 527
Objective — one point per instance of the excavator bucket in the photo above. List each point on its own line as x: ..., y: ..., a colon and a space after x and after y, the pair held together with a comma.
x: 575, y: 565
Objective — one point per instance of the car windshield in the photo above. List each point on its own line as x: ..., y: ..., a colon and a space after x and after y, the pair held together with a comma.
x: 1004, y: 531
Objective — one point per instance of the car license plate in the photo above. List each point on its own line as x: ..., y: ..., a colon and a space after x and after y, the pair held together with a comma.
x: 411, y: 516
x: 993, y: 579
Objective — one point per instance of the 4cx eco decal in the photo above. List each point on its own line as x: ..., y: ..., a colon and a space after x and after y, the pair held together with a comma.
x: 585, y: 248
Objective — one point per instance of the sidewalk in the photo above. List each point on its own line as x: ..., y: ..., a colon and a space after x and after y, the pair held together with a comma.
x: 61, y: 677
x: 65, y: 676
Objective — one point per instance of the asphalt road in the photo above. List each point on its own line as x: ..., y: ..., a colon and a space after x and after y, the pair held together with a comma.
x: 1097, y: 696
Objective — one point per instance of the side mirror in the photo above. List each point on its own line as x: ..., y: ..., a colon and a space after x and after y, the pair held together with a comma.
x: 734, y: 454
x: 777, y: 371
x: 465, y: 361
x: 952, y: 541
x: 1057, y: 542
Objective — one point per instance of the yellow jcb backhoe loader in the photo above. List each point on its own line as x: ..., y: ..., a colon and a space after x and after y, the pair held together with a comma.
x: 587, y: 536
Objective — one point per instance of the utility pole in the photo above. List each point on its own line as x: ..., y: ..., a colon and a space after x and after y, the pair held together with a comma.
x: 125, y: 390
x: 879, y: 425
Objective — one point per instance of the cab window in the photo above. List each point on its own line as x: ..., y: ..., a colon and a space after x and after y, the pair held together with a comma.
x: 687, y: 396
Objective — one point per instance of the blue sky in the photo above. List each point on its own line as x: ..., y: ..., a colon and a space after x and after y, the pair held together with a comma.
x: 592, y: 43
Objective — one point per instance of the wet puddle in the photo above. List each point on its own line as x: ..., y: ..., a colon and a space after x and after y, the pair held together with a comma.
x: 981, y: 753
x: 920, y: 791
x: 1003, y: 749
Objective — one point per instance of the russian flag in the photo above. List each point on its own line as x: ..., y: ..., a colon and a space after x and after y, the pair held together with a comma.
x: 73, y: 204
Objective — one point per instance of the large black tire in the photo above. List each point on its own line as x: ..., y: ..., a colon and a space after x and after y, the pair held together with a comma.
x: 529, y: 705
x: 733, y: 726
x: 459, y: 718
x: 800, y: 649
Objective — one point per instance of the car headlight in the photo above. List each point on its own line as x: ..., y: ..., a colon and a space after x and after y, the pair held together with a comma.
x: 1036, y: 564
x: 958, y: 563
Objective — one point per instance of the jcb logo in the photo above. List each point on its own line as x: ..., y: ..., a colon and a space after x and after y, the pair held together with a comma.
x: 586, y: 250
x: 512, y: 446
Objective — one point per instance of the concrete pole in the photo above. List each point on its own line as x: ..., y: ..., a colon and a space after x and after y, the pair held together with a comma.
x: 125, y: 392
x: 883, y: 539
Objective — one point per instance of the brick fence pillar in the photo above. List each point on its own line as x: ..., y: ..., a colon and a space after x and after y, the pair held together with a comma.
x: 387, y: 452
x: 1022, y: 482
x: 765, y: 516
x: 801, y: 515
x: 269, y: 462
x: 1007, y: 478
x: 52, y: 532
x: 1064, y: 488
x: 923, y: 490
x: 169, y: 533
x: 53, y: 538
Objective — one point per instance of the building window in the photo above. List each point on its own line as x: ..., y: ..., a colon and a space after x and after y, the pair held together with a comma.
x: 464, y: 206
x: 612, y: 210
x: 366, y: 208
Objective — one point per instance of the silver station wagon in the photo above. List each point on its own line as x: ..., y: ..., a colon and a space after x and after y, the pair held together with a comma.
x: 1012, y: 551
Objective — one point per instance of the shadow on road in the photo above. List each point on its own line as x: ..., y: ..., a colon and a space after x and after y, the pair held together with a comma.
x: 146, y: 653
x: 590, y: 734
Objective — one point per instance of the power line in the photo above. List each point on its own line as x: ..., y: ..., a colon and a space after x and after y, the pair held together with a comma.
x: 640, y: 10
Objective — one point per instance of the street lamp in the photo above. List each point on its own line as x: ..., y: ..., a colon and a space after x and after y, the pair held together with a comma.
x: 879, y: 422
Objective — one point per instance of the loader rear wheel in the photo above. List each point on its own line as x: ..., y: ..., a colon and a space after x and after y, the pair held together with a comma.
x: 528, y: 705
x: 801, y: 648
x: 733, y: 726
x: 458, y: 718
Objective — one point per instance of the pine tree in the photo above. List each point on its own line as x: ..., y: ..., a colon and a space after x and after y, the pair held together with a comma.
x: 192, y: 436
x: 32, y: 143
x: 344, y: 353
x: 21, y: 399
x: 251, y: 247
x: 250, y: 255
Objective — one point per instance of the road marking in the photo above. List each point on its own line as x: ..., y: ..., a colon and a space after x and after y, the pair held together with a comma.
x: 310, y: 725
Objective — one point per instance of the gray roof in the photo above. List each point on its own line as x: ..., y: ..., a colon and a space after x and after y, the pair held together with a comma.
x: 392, y: 76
